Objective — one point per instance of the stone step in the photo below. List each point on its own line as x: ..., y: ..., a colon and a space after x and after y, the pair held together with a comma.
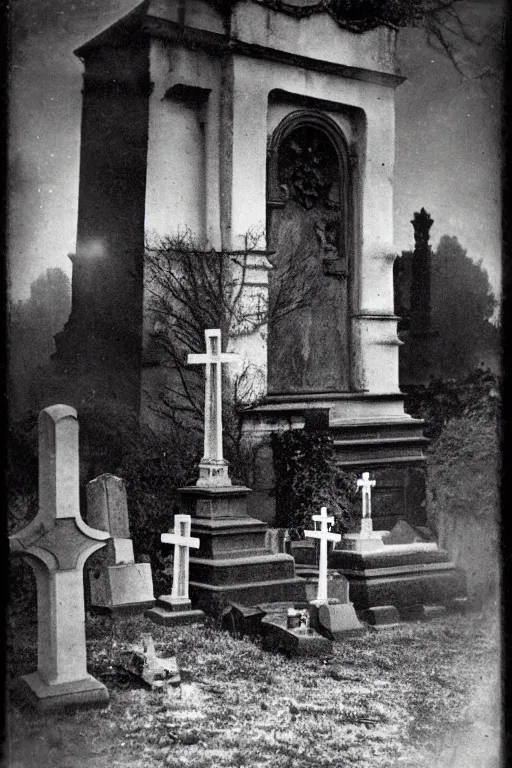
x: 438, y: 584
x: 377, y: 430
x: 167, y: 618
x: 422, y: 612
x: 243, y: 569
x: 218, y: 538
x: 214, y: 598
x: 277, y: 637
x: 378, y: 452
x: 381, y: 615
x: 381, y: 441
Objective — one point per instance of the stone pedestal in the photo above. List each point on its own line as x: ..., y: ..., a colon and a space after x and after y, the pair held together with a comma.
x: 370, y: 432
x: 171, y: 612
x: 400, y: 576
x: 363, y: 542
x: 47, y: 697
x: 233, y: 563
x: 125, y: 589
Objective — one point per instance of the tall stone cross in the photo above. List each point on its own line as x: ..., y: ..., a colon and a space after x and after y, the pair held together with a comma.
x: 213, y: 470
x: 57, y: 542
x: 324, y: 535
x: 182, y: 541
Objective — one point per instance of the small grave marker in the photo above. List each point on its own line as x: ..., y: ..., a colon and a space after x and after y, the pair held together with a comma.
x: 176, y: 608
x: 183, y: 542
x: 324, y: 535
x: 57, y: 543
x: 366, y: 485
x: 366, y: 539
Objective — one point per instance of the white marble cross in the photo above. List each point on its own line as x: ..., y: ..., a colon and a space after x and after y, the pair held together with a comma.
x: 366, y: 486
x: 58, y: 542
x: 325, y: 535
x: 213, y: 458
x: 182, y: 541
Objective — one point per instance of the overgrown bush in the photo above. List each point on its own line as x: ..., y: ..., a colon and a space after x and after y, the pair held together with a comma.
x: 442, y: 400
x: 462, y: 419
x: 463, y: 498
x: 307, y: 479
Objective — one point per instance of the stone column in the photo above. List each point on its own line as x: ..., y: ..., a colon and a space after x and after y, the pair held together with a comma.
x: 374, y: 324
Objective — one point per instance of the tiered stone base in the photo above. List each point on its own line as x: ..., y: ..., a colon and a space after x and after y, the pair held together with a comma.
x: 232, y: 564
x: 401, y: 579
x: 371, y: 433
x: 172, y: 613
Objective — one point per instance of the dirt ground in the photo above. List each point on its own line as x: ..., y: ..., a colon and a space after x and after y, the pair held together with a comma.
x: 423, y: 694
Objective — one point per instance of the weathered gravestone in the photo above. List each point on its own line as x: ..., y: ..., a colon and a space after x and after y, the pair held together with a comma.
x: 118, y: 584
x: 57, y: 542
x: 232, y: 563
x: 176, y: 608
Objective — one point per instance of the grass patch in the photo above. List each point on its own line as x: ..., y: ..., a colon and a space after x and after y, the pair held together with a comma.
x: 399, y: 697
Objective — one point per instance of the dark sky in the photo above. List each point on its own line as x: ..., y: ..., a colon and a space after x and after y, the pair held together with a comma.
x: 447, y: 135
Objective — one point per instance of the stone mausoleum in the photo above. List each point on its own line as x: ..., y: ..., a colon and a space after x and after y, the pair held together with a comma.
x: 269, y: 116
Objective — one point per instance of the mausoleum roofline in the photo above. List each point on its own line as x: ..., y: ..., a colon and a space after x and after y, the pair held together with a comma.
x: 139, y: 24
x: 346, y: 18
x: 121, y: 31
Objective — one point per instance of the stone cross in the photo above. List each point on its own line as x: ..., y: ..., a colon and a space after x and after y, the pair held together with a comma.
x: 213, y: 468
x: 57, y: 542
x: 366, y: 486
x: 325, y: 535
x: 182, y: 541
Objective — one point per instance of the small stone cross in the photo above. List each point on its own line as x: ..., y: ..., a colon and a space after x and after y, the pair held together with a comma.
x: 182, y: 541
x: 57, y: 542
x: 324, y: 535
x: 213, y: 468
x: 366, y: 486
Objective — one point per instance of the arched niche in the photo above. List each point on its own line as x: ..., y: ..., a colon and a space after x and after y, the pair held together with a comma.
x: 309, y: 230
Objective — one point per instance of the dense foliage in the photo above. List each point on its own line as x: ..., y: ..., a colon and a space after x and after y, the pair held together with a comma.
x: 442, y: 400
x: 308, y: 478
x: 462, y: 306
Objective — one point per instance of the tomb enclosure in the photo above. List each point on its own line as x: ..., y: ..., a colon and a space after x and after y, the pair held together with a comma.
x: 227, y: 121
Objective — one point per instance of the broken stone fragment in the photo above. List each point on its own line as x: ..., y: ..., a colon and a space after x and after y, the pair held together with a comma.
x: 142, y: 661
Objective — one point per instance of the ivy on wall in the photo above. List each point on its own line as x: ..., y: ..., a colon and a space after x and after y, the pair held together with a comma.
x: 307, y: 478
